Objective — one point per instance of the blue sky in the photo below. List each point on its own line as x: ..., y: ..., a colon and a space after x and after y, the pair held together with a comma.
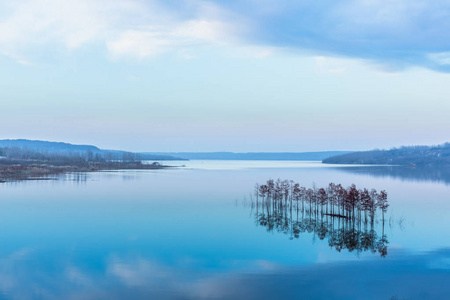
x: 226, y: 75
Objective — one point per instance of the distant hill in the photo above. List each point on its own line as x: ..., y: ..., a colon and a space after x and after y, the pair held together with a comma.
x: 317, y: 156
x: 45, y: 147
x: 66, y: 149
x: 417, y: 155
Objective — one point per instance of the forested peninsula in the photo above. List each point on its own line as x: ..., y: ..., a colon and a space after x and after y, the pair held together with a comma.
x: 408, y: 155
x: 38, y: 160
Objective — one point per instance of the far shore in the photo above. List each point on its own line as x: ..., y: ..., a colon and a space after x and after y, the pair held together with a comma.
x: 32, y: 170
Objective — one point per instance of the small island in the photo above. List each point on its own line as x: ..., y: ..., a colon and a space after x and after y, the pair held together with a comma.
x: 346, y: 217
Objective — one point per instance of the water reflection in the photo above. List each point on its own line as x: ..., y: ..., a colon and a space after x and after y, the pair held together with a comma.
x: 134, y: 277
x: 344, y: 217
x: 340, y: 233
x: 417, y: 174
x: 162, y: 236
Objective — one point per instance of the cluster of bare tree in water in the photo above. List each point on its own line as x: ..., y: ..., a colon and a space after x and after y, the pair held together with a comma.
x: 345, y: 216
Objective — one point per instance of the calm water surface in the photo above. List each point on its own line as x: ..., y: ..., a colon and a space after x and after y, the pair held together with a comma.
x: 191, y: 233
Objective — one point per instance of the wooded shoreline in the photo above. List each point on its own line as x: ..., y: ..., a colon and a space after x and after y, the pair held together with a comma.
x: 33, y: 170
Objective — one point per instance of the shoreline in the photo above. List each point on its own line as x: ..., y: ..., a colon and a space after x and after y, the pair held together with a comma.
x: 25, y: 172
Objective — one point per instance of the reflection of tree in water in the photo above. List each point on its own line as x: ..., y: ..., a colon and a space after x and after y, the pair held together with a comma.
x: 345, y: 217
x: 416, y: 174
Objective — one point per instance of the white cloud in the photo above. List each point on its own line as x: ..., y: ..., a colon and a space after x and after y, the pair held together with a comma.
x: 326, y: 64
x: 154, y: 40
x: 39, y: 22
x: 442, y: 58
x: 139, y: 43
x: 127, y: 28
x: 397, y: 33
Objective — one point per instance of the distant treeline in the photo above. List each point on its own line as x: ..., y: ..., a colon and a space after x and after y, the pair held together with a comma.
x: 56, y: 151
x: 412, y: 155
x: 25, y: 164
x: 24, y: 156
x: 37, y: 160
x: 313, y: 156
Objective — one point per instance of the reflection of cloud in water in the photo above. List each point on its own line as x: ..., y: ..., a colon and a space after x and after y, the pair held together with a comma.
x: 422, y: 276
x: 77, y: 277
x: 138, y: 273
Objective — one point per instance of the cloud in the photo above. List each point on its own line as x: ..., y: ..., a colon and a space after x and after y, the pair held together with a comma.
x: 396, y: 34
x: 126, y: 28
x: 442, y: 58
x: 329, y: 65
x: 41, y: 22
x: 150, y: 41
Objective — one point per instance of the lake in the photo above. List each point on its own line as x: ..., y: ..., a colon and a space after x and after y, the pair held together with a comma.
x: 193, y: 233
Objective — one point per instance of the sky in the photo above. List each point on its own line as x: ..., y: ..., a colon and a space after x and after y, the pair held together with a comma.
x: 214, y: 75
